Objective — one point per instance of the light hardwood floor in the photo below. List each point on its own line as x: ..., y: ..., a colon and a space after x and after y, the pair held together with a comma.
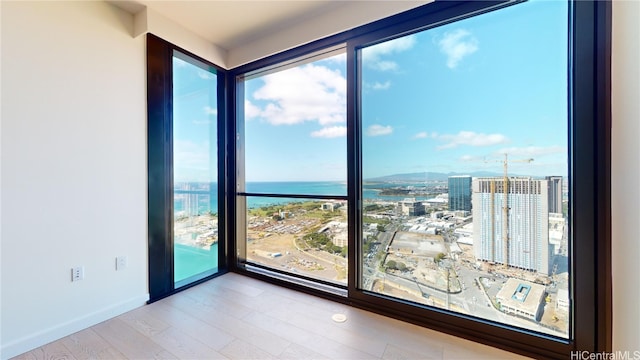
x: 236, y: 317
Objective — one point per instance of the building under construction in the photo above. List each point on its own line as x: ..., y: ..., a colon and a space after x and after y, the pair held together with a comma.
x: 511, y: 222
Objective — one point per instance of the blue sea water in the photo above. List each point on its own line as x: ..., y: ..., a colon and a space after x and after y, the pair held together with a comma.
x: 302, y: 187
x: 208, y: 199
x: 190, y: 261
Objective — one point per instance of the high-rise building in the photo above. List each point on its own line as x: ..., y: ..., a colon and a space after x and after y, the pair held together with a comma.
x: 555, y: 194
x: 411, y: 207
x: 460, y: 193
x: 515, y: 231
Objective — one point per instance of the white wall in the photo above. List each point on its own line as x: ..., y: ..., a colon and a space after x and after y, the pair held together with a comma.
x: 73, y: 168
x: 625, y: 194
x: 150, y: 21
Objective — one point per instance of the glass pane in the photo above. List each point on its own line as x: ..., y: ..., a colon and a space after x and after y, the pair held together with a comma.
x: 300, y: 236
x: 465, y: 167
x: 195, y: 171
x: 295, y: 130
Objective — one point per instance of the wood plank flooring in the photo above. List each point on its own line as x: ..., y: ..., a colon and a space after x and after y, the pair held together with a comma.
x: 236, y: 317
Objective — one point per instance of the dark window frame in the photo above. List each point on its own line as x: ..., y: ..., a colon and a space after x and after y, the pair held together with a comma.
x: 160, y: 55
x: 590, y: 142
x: 240, y: 262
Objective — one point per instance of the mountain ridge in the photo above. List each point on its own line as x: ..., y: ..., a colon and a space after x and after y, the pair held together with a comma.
x: 434, y: 176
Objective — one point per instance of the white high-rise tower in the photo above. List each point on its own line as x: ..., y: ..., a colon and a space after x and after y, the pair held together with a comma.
x: 527, y: 217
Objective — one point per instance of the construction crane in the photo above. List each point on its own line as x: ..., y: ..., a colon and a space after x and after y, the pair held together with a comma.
x: 554, y: 273
x: 505, y: 209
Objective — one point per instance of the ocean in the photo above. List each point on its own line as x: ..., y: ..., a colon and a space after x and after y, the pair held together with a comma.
x: 206, y: 195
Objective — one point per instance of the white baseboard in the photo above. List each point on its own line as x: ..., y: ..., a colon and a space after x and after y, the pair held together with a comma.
x: 53, y: 333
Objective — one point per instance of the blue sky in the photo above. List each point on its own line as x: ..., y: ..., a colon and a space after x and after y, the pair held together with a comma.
x: 450, y: 99
x: 194, y: 123
x: 471, y: 91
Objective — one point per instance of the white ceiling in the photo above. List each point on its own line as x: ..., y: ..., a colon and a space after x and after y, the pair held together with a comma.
x: 234, y: 24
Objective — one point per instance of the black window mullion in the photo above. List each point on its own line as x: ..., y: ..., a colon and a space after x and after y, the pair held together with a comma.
x: 160, y: 167
x: 590, y: 100
x: 238, y: 185
x: 354, y: 173
x: 294, y: 196
x: 223, y: 169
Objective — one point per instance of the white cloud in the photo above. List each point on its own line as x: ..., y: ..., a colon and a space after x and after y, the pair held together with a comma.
x: 472, y: 158
x: 250, y: 110
x: 457, y: 45
x: 381, y: 86
x: 192, y: 161
x: 306, y: 93
x: 330, y: 132
x: 379, y: 130
x: 210, y: 111
x: 533, y: 151
x: 201, y: 122
x: 373, y: 55
x: 470, y: 138
x: 385, y: 65
x: 205, y: 75
x: 421, y: 135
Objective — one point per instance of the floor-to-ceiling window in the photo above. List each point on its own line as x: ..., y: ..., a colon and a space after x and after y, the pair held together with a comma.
x: 465, y: 167
x: 447, y: 166
x: 185, y: 233
x: 469, y: 195
x: 195, y: 169
x: 292, y: 169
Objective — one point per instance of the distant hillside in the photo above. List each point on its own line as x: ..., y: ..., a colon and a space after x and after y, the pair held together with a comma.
x: 432, y: 176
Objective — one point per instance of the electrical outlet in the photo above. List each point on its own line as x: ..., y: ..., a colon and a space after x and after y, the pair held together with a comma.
x: 77, y: 273
x: 121, y: 263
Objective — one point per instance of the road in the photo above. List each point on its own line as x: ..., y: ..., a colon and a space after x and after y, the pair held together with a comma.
x: 472, y: 300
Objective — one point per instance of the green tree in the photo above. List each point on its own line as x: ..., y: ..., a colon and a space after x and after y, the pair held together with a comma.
x: 391, y: 265
x: 317, y: 240
x: 372, y: 207
x: 439, y: 258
